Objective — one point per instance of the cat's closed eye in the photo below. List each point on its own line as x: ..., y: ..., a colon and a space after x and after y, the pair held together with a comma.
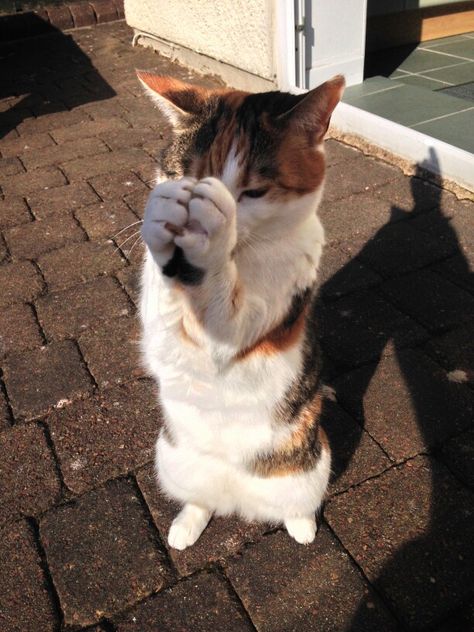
x: 255, y: 193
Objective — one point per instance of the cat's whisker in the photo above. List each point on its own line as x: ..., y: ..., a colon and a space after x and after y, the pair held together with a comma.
x: 128, y: 239
x: 140, y: 221
x: 134, y: 244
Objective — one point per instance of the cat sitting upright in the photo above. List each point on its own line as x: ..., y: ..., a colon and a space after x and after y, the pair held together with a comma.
x: 233, y: 246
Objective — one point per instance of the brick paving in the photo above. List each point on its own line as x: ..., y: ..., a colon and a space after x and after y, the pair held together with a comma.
x: 83, y: 526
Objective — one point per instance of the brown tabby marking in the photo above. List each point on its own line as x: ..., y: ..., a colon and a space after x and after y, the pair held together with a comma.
x: 302, y: 451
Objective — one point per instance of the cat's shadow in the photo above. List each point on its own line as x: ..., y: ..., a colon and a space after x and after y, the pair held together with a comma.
x: 417, y: 591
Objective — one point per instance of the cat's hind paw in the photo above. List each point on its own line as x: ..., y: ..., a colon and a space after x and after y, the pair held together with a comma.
x: 188, y: 526
x: 303, y: 530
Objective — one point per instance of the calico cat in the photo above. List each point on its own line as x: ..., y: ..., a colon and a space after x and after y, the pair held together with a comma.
x: 233, y: 246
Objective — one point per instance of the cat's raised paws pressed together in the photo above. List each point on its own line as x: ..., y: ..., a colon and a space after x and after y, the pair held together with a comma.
x: 228, y: 289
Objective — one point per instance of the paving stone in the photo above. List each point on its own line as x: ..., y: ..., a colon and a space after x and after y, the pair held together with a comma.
x: 24, y: 600
x: 422, y: 557
x: 452, y: 225
x: 462, y: 620
x: 64, y: 152
x: 13, y: 211
x: 406, y: 402
x: 364, y: 174
x: 10, y: 167
x: 53, y: 121
x: 22, y: 144
x: 111, y: 350
x: 45, y: 378
x: 102, y: 553
x: 458, y: 454
x: 340, y: 274
x: 29, y: 483
x: 3, y: 250
x: 108, y: 220
x: 72, y: 311
x: 457, y: 270
x: 18, y: 329
x: 87, y: 129
x: 95, y: 165
x: 354, y: 216
x: 356, y: 328
x: 200, y: 604
x: 130, y: 280
x: 413, y: 195
x: 355, y: 455
x: 130, y: 137
x: 77, y: 263
x: 430, y: 299
x: 31, y: 240
x: 39, y: 179
x: 286, y: 586
x: 222, y: 538
x: 455, y: 351
x: 106, y: 109
x: 104, y: 10
x: 19, y: 282
x: 397, y: 249
x: 339, y: 152
x: 8, y: 134
x: 60, y: 17
x: 147, y: 171
x: 82, y: 14
x: 137, y: 201
x: 63, y: 198
x: 100, y: 438
x: 454, y: 228
x: 4, y: 413
x: 111, y: 186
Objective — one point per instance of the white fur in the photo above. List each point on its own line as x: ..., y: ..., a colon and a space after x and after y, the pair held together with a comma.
x: 218, y: 411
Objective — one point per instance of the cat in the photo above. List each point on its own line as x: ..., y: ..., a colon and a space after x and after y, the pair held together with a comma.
x: 233, y: 244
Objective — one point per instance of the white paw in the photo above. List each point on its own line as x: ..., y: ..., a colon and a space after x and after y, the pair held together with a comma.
x: 211, y: 229
x: 166, y: 213
x: 187, y: 526
x: 303, y: 530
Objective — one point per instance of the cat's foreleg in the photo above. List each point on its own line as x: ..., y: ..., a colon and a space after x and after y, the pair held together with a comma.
x: 188, y: 526
x: 208, y: 242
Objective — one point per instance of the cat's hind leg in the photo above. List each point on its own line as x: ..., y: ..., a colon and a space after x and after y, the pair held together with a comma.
x: 188, y: 526
x: 303, y: 529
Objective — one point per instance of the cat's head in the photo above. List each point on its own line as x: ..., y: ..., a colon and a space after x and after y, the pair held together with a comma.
x: 267, y: 147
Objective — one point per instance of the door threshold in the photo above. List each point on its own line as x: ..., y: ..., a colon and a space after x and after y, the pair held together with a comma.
x: 417, y: 125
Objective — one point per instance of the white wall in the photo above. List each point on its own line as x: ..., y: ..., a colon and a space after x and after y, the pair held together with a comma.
x: 237, y: 32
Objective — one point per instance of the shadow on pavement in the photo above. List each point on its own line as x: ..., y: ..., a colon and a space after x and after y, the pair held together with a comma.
x: 411, y: 527
x: 43, y: 74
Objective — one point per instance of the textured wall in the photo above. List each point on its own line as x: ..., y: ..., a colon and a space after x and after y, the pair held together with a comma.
x: 238, y: 32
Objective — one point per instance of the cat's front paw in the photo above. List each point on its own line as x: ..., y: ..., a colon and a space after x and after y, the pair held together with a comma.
x: 166, y: 214
x: 210, y: 234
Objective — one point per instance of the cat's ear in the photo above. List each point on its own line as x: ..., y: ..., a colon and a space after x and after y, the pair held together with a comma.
x: 312, y: 113
x: 177, y: 100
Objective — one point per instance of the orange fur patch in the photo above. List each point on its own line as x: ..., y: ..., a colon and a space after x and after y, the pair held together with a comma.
x: 297, y: 454
x: 277, y: 340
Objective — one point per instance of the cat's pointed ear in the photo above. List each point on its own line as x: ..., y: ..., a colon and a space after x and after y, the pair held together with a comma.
x: 312, y: 113
x: 176, y: 99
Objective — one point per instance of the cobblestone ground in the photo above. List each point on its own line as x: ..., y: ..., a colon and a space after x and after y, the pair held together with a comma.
x: 83, y: 530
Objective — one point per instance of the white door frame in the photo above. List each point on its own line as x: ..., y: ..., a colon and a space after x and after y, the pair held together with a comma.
x: 341, y: 52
